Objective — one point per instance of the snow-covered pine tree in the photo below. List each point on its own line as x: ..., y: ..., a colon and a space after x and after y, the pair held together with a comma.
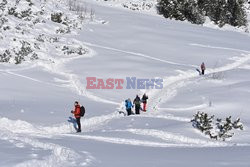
x: 203, y: 122
x: 214, y: 9
x: 219, y: 130
x: 191, y: 12
x: 169, y: 9
x: 236, y: 13
x: 196, y: 120
x: 225, y: 128
x: 221, y: 12
x: 237, y: 124
x: 207, y: 123
x: 207, y: 6
x: 181, y: 10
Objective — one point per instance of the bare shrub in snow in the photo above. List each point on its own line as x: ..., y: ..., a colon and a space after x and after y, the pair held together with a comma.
x: 56, y: 17
x: 23, y: 21
x: 79, y: 50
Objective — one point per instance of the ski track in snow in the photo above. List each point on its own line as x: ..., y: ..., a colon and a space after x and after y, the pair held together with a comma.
x: 144, y: 143
x: 222, y: 48
x: 22, y: 76
x: 198, y: 107
x: 30, y: 78
x: 169, y: 139
x: 167, y: 117
x: 18, y: 69
x: 174, y: 138
x: 138, y: 55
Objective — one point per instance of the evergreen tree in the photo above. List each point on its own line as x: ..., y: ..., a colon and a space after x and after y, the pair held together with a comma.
x: 206, y: 6
x: 236, y: 13
x: 181, y: 10
x: 191, y: 12
x: 219, y: 130
x: 221, y: 12
x: 170, y: 9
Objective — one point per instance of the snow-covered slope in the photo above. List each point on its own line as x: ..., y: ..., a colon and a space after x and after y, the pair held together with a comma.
x: 36, y: 97
x: 32, y: 30
x: 150, y: 7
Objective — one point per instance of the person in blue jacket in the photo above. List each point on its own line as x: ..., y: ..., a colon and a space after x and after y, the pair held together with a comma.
x: 129, y: 106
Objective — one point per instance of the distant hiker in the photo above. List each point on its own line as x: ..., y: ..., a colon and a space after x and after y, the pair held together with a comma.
x: 203, y: 68
x: 144, y: 101
x: 137, y: 103
x: 129, y: 106
x: 77, y: 114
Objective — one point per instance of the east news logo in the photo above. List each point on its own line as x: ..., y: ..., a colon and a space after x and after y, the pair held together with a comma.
x: 128, y: 83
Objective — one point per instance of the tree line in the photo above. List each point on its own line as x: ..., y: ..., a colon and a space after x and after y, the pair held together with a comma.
x: 221, y: 12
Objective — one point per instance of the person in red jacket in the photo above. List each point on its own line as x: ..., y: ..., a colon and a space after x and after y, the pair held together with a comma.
x: 77, y: 115
x: 144, y: 101
x: 203, y: 68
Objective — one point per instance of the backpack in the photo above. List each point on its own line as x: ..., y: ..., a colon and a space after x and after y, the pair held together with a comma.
x: 126, y: 103
x: 137, y: 102
x: 82, y: 111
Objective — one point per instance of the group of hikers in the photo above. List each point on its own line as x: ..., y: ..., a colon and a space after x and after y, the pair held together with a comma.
x: 78, y: 111
x: 137, y: 104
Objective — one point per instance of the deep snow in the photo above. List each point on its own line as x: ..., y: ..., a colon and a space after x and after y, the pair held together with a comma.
x: 36, y: 98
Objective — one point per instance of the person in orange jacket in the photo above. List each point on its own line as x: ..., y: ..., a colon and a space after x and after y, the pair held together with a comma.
x: 77, y: 114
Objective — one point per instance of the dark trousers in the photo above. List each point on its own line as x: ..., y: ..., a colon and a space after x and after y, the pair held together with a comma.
x: 137, y: 109
x: 202, y: 72
x: 129, y: 111
x: 78, y: 121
